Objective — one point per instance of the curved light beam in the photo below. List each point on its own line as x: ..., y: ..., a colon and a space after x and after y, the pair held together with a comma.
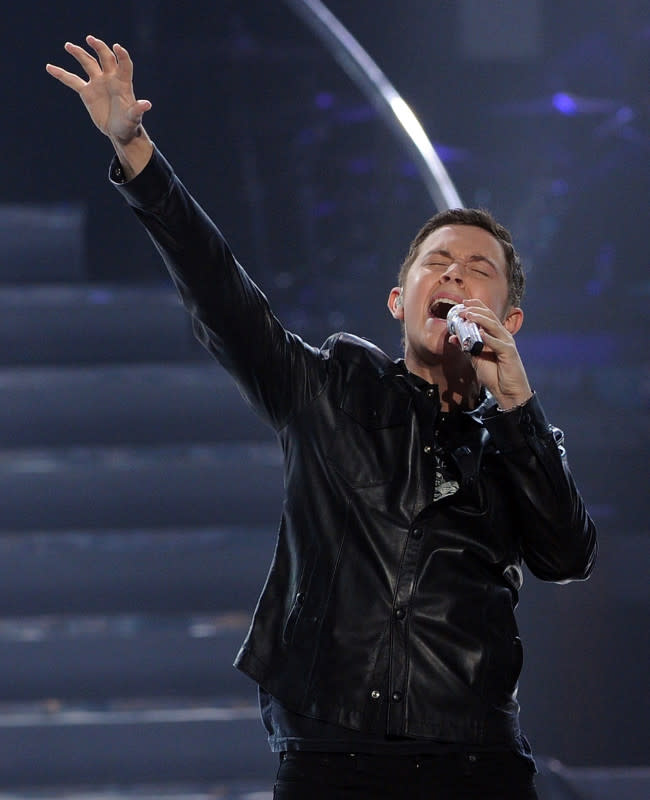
x: 376, y: 86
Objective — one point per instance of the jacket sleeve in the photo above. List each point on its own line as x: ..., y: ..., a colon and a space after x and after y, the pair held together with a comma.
x: 275, y: 370
x: 558, y: 537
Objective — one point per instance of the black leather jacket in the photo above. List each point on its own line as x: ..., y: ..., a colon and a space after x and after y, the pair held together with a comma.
x: 374, y: 588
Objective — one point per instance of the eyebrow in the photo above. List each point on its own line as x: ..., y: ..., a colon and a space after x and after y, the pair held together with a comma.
x: 472, y: 259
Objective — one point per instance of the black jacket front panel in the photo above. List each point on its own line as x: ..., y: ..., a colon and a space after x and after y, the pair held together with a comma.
x: 376, y: 594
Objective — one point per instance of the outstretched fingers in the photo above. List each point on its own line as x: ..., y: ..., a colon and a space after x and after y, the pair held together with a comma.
x: 106, y: 56
x: 124, y: 63
x: 69, y: 79
x: 89, y: 64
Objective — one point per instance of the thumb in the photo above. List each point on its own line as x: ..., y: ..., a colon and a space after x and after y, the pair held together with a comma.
x: 137, y: 111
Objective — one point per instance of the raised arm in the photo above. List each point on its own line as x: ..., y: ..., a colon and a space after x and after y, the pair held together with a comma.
x: 109, y: 99
x: 275, y: 370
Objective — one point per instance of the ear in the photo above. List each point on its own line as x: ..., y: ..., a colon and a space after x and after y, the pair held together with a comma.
x: 514, y: 320
x: 395, y: 303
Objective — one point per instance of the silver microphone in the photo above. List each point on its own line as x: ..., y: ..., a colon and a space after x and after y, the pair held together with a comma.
x: 467, y: 332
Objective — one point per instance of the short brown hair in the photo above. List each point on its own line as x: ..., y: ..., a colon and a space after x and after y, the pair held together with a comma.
x: 481, y: 219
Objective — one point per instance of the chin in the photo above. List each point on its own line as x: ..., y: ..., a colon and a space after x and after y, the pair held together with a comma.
x: 430, y: 352
x: 438, y: 342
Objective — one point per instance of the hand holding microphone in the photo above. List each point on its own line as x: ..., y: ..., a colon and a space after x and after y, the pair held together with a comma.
x: 467, y: 332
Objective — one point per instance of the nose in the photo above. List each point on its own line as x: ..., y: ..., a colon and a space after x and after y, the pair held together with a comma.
x: 453, y: 273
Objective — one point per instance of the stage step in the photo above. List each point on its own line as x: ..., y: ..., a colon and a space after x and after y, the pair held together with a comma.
x: 124, y: 404
x: 93, y: 323
x: 133, y: 571
x: 42, y: 242
x: 556, y: 781
x: 133, y: 741
x: 93, y: 659
x: 121, y: 487
x: 224, y: 790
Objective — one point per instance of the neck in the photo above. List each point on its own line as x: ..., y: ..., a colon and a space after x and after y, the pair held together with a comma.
x: 454, y: 375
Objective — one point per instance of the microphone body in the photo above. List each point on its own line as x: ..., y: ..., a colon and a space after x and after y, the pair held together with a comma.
x: 467, y: 332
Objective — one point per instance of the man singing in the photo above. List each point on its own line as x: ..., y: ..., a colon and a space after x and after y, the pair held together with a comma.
x: 384, y: 642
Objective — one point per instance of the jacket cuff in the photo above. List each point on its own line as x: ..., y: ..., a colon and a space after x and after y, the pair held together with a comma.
x: 511, y: 430
x: 148, y: 187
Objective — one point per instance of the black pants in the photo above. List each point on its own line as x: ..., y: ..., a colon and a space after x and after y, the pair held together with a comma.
x: 345, y: 776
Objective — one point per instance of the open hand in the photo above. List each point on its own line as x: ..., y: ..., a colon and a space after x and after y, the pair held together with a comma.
x: 108, y: 92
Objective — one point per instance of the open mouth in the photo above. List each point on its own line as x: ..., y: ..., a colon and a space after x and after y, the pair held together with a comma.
x: 440, y: 307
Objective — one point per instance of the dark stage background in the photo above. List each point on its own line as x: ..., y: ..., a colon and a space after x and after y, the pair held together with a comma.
x: 140, y: 496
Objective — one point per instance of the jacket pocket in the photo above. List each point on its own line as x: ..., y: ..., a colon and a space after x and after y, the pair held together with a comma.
x: 301, y: 615
x: 504, y: 650
x: 292, y: 618
x: 370, y: 434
